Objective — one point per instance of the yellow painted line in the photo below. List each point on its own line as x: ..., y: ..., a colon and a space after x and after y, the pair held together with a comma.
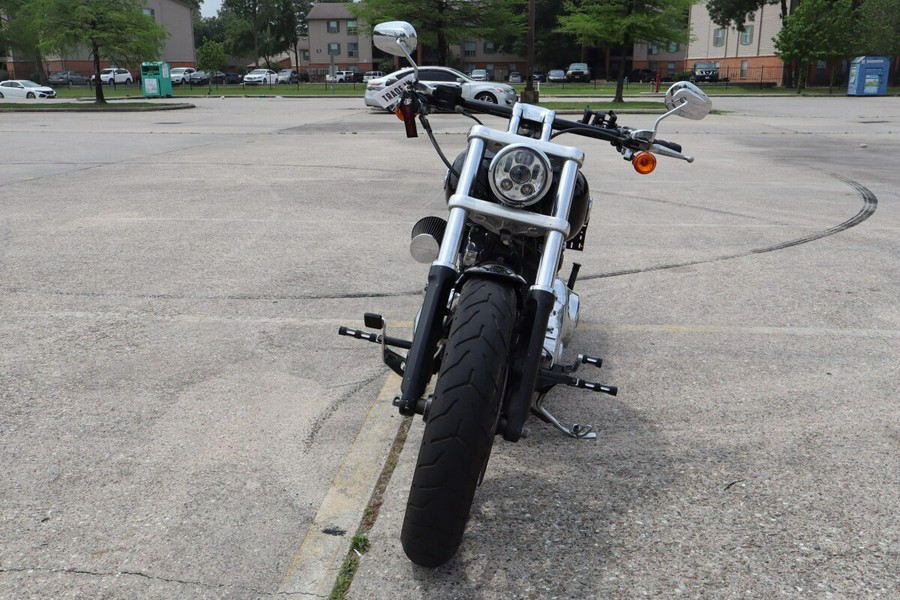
x: 315, y: 567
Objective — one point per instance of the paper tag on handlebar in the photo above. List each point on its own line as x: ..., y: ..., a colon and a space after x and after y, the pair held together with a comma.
x: 388, y: 96
x: 407, y: 110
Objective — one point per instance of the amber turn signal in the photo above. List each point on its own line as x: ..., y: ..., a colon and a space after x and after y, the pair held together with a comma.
x: 644, y: 163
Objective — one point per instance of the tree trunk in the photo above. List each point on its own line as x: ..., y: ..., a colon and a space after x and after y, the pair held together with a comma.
x: 620, y: 80
x: 95, y: 51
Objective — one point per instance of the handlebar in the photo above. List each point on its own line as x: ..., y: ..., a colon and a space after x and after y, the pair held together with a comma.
x: 445, y: 97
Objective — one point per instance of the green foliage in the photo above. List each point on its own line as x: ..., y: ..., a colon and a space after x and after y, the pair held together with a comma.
x: 113, y: 30
x: 625, y: 22
x: 263, y: 28
x: 440, y: 23
x: 210, y: 56
x: 19, y: 33
x: 878, y: 28
x: 817, y: 30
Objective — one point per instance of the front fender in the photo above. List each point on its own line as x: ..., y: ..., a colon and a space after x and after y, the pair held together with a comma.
x: 493, y: 271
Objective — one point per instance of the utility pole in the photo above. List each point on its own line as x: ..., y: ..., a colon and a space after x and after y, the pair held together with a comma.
x: 530, y: 95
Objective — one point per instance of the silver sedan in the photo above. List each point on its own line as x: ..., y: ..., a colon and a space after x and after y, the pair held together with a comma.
x: 486, y: 91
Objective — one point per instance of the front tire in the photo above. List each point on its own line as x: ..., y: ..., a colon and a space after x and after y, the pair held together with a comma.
x: 30, y: 95
x: 461, y: 422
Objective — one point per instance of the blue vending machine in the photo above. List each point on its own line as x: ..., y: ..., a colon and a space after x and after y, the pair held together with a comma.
x: 869, y: 76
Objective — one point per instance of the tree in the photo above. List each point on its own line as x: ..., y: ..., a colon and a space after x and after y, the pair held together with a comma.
x: 254, y: 16
x: 210, y: 58
x: 817, y: 30
x: 625, y: 22
x: 18, y: 33
x: 440, y: 23
x: 878, y: 28
x: 114, y: 30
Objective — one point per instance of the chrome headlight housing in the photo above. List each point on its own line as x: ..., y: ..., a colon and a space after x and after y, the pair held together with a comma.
x: 520, y: 175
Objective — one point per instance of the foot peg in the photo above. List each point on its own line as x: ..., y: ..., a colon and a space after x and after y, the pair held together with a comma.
x: 395, y: 361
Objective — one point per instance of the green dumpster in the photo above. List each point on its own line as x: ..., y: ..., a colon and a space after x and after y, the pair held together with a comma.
x: 155, y: 80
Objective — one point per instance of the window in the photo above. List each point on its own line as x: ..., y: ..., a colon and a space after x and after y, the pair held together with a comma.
x: 469, y: 49
x: 426, y: 74
x: 149, y: 12
x: 334, y: 26
x: 719, y: 37
x: 674, y: 46
x: 745, y: 64
x: 352, y: 27
x: 747, y: 35
x: 352, y: 49
x: 490, y: 48
x: 652, y: 48
x: 306, y: 55
x: 670, y: 68
x: 334, y: 48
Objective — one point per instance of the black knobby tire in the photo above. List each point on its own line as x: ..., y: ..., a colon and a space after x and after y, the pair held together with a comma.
x: 461, y: 422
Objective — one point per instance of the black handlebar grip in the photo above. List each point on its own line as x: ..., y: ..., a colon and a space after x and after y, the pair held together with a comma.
x: 446, y: 97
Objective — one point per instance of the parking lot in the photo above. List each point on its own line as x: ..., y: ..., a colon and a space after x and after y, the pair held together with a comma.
x: 178, y: 409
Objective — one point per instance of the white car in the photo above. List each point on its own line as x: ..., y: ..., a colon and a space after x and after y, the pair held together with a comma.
x: 480, y: 75
x: 182, y: 75
x: 486, y: 91
x: 108, y: 76
x: 22, y: 88
x: 261, y: 76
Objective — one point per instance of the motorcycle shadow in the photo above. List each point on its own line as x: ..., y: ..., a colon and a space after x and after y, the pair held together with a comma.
x: 549, y: 517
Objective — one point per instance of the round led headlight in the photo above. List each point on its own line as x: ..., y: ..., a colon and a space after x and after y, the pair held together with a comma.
x: 520, y: 175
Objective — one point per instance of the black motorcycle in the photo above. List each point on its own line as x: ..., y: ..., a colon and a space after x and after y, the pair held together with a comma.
x: 496, y: 316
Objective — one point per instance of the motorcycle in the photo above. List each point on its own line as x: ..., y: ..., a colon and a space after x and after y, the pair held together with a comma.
x: 496, y: 316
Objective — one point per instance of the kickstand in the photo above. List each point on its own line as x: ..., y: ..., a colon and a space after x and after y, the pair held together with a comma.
x: 581, y: 432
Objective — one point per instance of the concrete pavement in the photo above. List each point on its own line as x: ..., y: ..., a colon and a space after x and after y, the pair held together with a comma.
x: 177, y: 405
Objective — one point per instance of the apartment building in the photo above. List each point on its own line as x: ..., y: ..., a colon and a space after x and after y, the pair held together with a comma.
x: 178, y: 51
x: 742, y: 56
x: 335, y: 40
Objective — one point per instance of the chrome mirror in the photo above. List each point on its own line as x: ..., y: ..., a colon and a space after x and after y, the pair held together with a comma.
x: 395, y: 37
x: 687, y: 100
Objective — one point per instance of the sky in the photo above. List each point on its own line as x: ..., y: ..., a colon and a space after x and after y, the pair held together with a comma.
x: 210, y: 8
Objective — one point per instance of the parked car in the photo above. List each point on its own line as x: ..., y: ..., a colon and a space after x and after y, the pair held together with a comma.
x: 182, y: 75
x: 705, y: 71
x: 288, y: 76
x: 22, y: 88
x: 642, y: 75
x: 261, y: 76
x: 199, y: 78
x: 537, y: 76
x: 370, y: 75
x: 578, y: 72
x: 498, y: 93
x: 114, y: 75
x: 556, y: 76
x: 341, y: 77
x: 479, y: 75
x: 515, y: 77
x: 230, y: 78
x: 68, y: 78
